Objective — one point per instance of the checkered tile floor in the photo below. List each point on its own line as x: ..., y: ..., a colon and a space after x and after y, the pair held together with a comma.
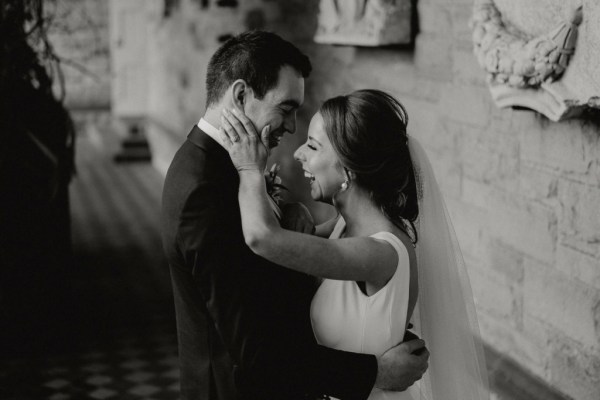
x: 145, y: 367
x: 116, y: 339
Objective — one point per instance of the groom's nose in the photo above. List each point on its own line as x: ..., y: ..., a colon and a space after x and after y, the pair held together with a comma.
x: 289, y: 124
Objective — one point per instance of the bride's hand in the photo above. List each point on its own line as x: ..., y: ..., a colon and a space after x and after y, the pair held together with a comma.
x: 247, y: 150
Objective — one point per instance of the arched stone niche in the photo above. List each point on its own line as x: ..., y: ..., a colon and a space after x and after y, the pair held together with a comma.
x: 364, y: 22
x: 540, y: 54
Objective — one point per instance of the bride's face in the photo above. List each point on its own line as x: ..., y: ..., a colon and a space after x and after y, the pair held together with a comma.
x: 320, y: 163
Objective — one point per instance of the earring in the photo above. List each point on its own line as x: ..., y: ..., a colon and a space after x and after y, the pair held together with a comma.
x: 344, y: 186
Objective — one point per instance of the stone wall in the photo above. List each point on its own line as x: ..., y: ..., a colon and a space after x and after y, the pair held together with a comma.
x: 523, y: 192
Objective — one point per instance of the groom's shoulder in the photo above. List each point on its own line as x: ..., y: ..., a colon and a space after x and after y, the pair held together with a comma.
x: 194, y: 159
x: 189, y: 158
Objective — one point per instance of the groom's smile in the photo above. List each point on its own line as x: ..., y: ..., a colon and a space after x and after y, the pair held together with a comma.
x: 275, y: 138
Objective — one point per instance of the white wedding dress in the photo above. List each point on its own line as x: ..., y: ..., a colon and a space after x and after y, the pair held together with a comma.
x: 344, y: 318
x: 445, y: 317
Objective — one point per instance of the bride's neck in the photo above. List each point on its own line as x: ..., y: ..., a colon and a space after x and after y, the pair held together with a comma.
x: 361, y: 215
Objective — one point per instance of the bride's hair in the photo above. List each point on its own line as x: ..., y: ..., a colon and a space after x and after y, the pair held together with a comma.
x: 367, y: 129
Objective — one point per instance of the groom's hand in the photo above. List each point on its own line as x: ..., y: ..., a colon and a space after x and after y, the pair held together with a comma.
x: 297, y: 218
x: 402, y: 365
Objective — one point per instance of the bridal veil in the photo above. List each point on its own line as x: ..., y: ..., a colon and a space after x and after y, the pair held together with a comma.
x: 445, y: 315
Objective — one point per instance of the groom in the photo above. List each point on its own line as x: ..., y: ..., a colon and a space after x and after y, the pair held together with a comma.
x: 243, y: 323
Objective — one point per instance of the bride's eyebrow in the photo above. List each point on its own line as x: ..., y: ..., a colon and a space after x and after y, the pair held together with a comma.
x: 315, y: 140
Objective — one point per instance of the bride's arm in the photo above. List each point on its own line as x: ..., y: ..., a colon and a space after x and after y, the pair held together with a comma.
x: 359, y: 259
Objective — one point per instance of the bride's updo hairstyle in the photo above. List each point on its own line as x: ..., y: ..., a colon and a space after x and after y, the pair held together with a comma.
x: 367, y: 129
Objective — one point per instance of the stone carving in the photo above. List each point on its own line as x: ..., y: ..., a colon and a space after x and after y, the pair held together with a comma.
x: 526, y: 69
x: 364, y: 22
x: 516, y: 61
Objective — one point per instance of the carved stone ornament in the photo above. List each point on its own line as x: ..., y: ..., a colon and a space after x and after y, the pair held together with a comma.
x: 364, y: 22
x: 548, y: 69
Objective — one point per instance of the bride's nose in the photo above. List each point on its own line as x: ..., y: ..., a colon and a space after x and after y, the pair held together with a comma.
x: 299, y: 154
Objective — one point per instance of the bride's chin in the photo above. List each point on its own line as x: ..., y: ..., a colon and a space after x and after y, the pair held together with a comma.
x: 315, y: 193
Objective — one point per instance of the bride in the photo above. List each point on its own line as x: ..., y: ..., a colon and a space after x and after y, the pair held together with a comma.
x: 391, y: 257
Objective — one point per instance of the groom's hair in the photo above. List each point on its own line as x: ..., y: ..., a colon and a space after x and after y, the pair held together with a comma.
x: 256, y: 57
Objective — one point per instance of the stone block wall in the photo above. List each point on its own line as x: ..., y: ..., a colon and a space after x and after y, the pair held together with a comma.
x: 524, y: 193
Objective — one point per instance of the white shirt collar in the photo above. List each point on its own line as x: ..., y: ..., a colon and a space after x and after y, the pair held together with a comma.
x: 210, y: 130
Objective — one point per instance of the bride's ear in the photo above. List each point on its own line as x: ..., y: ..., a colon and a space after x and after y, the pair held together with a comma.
x: 350, y: 175
x: 239, y: 94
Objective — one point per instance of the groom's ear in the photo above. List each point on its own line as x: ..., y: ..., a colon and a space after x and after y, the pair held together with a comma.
x: 240, y: 91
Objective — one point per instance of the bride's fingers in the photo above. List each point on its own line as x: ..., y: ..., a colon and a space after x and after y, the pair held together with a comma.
x: 229, y: 130
x: 248, y: 125
x: 264, y: 136
x: 236, y: 124
x: 225, y: 138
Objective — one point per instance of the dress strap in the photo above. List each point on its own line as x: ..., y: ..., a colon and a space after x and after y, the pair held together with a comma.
x: 394, y: 241
x: 339, y: 228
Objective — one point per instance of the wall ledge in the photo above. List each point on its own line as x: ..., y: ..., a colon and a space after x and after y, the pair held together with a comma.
x: 510, y: 381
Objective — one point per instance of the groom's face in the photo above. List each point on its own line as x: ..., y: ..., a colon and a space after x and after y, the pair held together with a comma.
x: 278, y: 107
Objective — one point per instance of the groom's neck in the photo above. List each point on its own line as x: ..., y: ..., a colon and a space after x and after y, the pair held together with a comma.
x: 213, y: 116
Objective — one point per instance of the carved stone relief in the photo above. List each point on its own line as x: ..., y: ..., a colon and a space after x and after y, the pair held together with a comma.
x: 540, y: 55
x: 364, y: 22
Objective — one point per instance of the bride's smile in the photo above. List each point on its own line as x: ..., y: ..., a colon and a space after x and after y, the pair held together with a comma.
x: 310, y: 176
x: 320, y: 163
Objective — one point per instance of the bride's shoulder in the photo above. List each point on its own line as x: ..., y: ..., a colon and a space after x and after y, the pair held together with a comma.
x: 403, y: 239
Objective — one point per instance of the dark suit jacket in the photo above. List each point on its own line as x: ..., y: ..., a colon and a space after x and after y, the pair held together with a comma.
x: 243, y: 323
